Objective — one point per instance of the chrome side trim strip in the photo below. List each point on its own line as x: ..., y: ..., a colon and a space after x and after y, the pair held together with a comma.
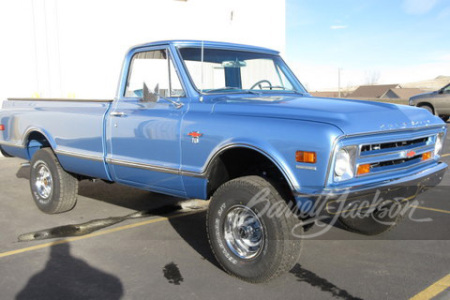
x: 3, y: 143
x: 149, y: 167
x: 79, y: 155
x: 131, y: 164
x: 193, y: 174
x: 153, y: 168
x: 60, y: 100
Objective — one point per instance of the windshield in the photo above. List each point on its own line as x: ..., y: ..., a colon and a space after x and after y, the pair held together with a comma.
x: 231, y: 71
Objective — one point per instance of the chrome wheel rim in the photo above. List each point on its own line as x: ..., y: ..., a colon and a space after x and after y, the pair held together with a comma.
x: 43, y: 182
x: 243, y: 232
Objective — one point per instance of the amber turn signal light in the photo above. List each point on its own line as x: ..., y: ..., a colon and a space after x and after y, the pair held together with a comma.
x: 2, y: 127
x: 426, y: 155
x: 363, y: 169
x: 306, y: 157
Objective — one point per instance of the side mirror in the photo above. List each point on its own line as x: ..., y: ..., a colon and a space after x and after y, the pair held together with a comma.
x: 148, y: 96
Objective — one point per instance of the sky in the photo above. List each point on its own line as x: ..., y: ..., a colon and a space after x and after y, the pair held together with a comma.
x: 387, y: 41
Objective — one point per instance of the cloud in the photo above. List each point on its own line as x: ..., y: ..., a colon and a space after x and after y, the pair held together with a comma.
x: 418, y: 7
x: 336, y: 27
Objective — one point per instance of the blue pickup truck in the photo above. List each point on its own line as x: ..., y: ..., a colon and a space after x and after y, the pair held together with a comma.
x: 230, y: 123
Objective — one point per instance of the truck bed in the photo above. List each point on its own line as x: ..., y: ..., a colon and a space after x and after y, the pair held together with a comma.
x: 73, y: 127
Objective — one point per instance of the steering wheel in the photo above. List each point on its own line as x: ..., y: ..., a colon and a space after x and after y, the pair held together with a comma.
x: 259, y: 83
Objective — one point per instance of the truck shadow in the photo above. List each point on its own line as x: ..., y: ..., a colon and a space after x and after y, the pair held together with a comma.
x: 23, y: 173
x: 124, y: 196
x: 67, y: 277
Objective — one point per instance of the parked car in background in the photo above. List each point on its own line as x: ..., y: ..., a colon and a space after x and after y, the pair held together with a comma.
x: 437, y: 102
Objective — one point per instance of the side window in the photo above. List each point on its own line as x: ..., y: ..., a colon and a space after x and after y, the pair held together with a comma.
x: 447, y: 89
x: 153, y: 68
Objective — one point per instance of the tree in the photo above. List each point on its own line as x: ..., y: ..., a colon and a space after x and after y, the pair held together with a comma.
x: 372, y: 77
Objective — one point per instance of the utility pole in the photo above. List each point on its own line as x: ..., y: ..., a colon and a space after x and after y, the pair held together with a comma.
x: 339, y: 82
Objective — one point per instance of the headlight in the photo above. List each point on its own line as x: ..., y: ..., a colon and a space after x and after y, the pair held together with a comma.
x: 439, y: 143
x: 344, y: 163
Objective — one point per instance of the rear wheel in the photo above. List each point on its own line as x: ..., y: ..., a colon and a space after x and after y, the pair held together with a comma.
x: 252, y: 231
x: 53, y: 189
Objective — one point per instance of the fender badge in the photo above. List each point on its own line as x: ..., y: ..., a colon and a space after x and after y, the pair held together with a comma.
x: 195, y: 136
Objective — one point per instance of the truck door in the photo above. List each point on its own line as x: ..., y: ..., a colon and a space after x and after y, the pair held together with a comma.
x: 143, y: 136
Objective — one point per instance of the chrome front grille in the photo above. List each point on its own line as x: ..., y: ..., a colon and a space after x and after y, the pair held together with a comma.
x: 396, y: 146
x: 394, y: 155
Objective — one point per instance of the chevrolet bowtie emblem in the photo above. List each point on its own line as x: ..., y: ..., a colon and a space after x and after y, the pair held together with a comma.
x: 195, y: 136
x: 410, y: 154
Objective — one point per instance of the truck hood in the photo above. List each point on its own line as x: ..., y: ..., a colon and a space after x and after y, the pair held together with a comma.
x: 351, y: 116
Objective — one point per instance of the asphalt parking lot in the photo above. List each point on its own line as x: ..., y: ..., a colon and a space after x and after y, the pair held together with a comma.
x: 165, y: 254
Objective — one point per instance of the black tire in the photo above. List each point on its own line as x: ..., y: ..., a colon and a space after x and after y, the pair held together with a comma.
x: 279, y: 250
x: 427, y: 107
x: 445, y: 118
x: 53, y: 189
x: 381, y: 219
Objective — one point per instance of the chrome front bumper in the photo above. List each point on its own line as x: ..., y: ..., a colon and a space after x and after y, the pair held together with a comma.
x: 401, y: 189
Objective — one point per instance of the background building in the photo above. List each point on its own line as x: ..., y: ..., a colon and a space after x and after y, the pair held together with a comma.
x: 74, y: 48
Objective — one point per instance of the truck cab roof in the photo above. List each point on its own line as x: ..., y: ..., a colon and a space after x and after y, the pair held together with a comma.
x: 209, y: 44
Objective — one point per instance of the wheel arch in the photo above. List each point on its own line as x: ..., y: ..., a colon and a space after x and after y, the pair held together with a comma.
x: 36, y: 139
x: 424, y: 103
x: 237, y: 160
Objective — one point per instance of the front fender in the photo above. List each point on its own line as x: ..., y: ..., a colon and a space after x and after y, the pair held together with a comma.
x: 263, y: 148
x: 277, y: 139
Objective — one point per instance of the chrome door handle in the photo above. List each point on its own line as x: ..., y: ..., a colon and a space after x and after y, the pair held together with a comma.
x: 118, y: 114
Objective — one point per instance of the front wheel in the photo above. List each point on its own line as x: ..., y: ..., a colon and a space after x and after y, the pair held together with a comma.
x: 53, y: 189
x: 252, y: 231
